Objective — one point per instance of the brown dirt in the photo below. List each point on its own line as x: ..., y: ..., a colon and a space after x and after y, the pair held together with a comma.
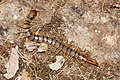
x: 91, y: 25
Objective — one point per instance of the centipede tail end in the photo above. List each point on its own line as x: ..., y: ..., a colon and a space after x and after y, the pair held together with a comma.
x: 92, y: 61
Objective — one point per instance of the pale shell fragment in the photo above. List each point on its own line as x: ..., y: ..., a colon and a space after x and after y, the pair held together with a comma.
x: 58, y: 64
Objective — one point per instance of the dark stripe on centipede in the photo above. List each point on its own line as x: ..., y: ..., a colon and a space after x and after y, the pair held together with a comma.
x: 79, y: 57
x: 30, y: 34
x: 55, y: 42
x: 51, y: 41
x: 29, y: 17
x: 26, y: 24
x: 83, y: 55
x: 62, y: 45
x: 25, y: 27
x: 70, y: 50
x: 73, y: 54
x: 67, y: 49
x: 47, y: 38
x: 76, y: 53
x: 28, y: 20
x: 59, y: 44
x: 33, y: 37
x: 37, y: 38
x: 28, y: 31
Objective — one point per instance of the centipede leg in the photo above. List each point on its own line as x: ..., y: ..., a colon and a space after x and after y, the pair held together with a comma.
x: 79, y: 61
x: 68, y: 58
x: 56, y: 52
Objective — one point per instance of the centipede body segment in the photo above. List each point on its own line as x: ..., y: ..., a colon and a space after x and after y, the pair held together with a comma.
x: 52, y: 41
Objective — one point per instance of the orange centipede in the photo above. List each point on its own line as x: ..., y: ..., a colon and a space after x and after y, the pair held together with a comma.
x: 41, y: 38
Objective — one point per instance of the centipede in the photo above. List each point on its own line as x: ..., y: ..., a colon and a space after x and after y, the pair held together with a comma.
x: 52, y: 41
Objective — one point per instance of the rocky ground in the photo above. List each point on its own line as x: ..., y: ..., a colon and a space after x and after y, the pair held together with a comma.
x: 92, y: 26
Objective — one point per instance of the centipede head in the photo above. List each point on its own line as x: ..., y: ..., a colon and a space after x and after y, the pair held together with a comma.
x: 32, y: 14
